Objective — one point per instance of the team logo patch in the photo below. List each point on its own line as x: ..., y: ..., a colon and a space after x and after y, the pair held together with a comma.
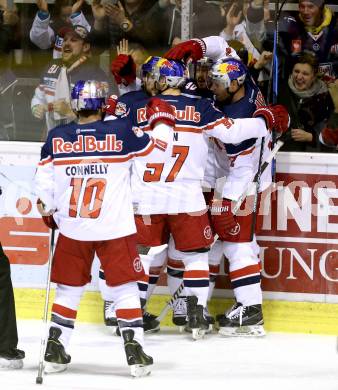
x: 207, y: 232
x: 138, y: 132
x: 137, y: 265
x: 235, y: 230
x: 120, y: 109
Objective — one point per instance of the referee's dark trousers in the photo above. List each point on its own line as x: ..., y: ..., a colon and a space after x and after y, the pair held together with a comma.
x: 8, y: 329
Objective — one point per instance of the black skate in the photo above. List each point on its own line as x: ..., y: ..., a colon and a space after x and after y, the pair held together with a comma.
x: 180, y: 312
x: 12, y: 359
x: 242, y: 320
x: 196, y: 320
x: 56, y: 358
x: 109, y: 316
x: 138, y: 361
x: 150, y: 323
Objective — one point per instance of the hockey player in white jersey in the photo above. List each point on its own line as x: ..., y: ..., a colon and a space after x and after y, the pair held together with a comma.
x: 162, y: 188
x: 83, y: 179
x: 236, y: 95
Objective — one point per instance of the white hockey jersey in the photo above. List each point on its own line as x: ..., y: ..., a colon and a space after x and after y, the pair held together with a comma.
x: 84, y: 174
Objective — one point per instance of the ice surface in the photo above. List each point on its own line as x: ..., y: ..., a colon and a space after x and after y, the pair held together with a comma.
x: 278, y: 361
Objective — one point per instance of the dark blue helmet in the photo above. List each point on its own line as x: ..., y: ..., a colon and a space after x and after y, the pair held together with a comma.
x: 89, y: 95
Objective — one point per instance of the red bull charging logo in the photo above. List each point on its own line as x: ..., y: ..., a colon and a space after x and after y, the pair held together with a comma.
x: 228, y: 67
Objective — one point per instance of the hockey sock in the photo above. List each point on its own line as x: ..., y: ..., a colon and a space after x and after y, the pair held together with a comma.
x: 64, y: 310
x: 244, y: 273
x: 143, y: 283
x: 196, y: 275
x: 175, y: 270
x: 215, y: 256
x: 154, y: 275
x: 128, y: 309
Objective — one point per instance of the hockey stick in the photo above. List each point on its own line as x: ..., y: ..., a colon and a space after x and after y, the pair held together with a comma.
x: 169, y: 304
x: 280, y: 142
x: 39, y: 378
x: 238, y: 204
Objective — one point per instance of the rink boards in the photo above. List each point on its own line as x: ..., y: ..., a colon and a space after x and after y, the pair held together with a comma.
x: 299, y: 244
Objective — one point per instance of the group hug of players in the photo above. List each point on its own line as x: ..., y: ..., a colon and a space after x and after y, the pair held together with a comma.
x: 128, y: 177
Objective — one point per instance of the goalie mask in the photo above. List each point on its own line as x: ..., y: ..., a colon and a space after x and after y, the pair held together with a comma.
x: 89, y: 95
x: 227, y: 70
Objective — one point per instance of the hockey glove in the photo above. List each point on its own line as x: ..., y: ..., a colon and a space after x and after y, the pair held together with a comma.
x: 329, y: 136
x: 46, y: 216
x: 123, y: 69
x: 158, y: 110
x: 193, y: 49
x: 50, y: 222
x: 222, y: 218
x: 109, y: 107
x: 276, y: 117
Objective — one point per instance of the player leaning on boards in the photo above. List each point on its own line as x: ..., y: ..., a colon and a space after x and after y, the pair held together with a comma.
x: 83, y: 179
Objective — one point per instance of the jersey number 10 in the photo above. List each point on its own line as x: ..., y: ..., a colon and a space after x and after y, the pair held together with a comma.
x: 86, y: 197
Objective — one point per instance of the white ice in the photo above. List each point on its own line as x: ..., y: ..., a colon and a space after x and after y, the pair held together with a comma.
x: 278, y: 361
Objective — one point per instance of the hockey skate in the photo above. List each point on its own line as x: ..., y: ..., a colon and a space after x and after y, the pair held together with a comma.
x: 12, y: 359
x: 138, y: 361
x: 150, y: 323
x: 180, y: 313
x: 209, y: 318
x: 245, y: 321
x: 196, y: 320
x: 56, y: 358
x: 109, y: 316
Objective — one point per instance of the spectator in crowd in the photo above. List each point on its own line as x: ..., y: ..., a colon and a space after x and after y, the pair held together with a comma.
x: 309, y: 104
x: 10, y: 356
x: 44, y: 32
x: 52, y: 96
x: 203, y: 13
x: 141, y: 21
x: 9, y: 41
x: 237, y: 27
x: 313, y: 29
x: 329, y: 135
x: 240, y: 28
x: 9, y: 32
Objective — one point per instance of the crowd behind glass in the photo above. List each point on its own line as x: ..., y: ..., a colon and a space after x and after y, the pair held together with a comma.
x: 32, y: 38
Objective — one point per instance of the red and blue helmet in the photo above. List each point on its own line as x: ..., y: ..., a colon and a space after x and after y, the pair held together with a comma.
x: 169, y: 72
x: 228, y: 69
x: 147, y: 66
x: 173, y: 74
x: 89, y: 95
